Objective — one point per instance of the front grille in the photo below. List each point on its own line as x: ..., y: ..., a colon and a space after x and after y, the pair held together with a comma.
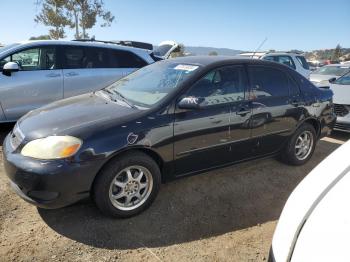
x: 341, y: 110
x: 16, y: 137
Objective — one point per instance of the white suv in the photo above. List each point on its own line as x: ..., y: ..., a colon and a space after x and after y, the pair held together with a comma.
x: 294, y: 60
x: 35, y: 73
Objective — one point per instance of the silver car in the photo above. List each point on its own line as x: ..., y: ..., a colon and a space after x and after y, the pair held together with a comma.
x: 35, y: 73
x: 331, y: 72
x: 341, y: 99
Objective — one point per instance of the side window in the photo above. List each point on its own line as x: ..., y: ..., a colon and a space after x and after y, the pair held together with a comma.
x: 43, y: 58
x: 223, y: 85
x: 267, y: 82
x: 74, y: 57
x: 125, y: 59
x: 269, y: 58
x: 303, y: 62
x: 293, y: 87
x: 95, y: 58
x: 4, y: 61
x: 286, y: 60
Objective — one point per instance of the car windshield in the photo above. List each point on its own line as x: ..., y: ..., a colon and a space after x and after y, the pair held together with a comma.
x: 332, y: 70
x: 149, y: 85
x: 7, y: 47
x: 344, y: 80
x: 162, y: 50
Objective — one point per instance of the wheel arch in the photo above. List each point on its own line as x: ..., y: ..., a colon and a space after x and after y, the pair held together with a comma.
x: 315, y: 123
x: 148, y: 151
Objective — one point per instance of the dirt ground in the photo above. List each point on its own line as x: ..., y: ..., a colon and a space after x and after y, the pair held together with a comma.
x: 224, y: 215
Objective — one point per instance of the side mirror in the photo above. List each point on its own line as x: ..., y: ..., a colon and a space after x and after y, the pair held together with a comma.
x: 9, y: 68
x: 332, y: 80
x: 190, y: 102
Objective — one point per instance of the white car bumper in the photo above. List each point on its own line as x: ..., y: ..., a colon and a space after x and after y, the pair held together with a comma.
x: 343, y: 117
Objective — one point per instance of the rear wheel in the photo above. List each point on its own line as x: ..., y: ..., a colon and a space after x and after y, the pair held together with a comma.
x: 127, y: 185
x: 301, y: 145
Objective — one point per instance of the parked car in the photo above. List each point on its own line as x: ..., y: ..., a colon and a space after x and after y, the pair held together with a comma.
x: 314, y: 224
x: 341, y: 99
x: 294, y: 60
x: 165, y: 49
x: 314, y: 65
x: 171, y: 119
x: 35, y: 73
x: 331, y: 72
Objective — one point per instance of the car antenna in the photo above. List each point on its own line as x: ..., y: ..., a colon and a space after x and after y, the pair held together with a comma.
x: 256, y: 50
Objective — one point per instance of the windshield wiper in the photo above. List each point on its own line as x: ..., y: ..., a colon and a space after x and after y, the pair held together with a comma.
x: 123, y: 98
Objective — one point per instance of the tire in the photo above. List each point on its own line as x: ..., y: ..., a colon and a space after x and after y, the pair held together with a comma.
x: 290, y: 153
x: 114, y: 189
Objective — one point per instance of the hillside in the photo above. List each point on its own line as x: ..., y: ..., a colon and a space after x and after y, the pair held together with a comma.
x: 200, y: 50
x: 326, y: 54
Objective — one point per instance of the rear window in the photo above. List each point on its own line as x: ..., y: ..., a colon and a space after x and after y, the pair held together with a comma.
x: 303, y: 62
x: 282, y: 59
x: 93, y: 57
x: 125, y: 59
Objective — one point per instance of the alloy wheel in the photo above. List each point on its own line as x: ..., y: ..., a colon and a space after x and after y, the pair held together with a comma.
x: 303, y: 145
x: 131, y: 187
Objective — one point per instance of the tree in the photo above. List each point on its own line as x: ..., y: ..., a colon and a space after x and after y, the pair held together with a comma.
x: 53, y: 14
x: 213, y: 53
x: 40, y: 37
x: 84, y: 14
x: 79, y: 14
x: 337, y: 53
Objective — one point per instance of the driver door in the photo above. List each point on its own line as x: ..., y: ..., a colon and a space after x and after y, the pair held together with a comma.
x: 203, y: 136
x: 37, y: 83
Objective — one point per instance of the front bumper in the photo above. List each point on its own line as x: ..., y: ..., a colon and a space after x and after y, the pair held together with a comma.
x: 342, y: 124
x: 48, y: 183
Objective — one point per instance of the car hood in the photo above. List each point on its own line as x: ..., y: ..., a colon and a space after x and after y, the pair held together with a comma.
x: 325, y: 234
x: 73, y: 115
x: 318, y: 78
x: 306, y: 198
x: 341, y: 94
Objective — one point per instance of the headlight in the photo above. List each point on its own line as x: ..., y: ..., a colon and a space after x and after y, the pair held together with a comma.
x: 52, y: 147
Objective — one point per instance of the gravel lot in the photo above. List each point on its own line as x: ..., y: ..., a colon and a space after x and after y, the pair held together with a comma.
x: 224, y: 215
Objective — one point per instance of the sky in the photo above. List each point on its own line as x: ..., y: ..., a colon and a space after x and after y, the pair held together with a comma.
x: 240, y: 24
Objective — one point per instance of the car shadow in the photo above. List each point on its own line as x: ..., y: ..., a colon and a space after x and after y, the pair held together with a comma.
x: 193, y: 208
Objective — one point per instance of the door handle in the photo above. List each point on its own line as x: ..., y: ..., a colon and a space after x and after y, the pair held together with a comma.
x: 53, y: 75
x: 71, y: 74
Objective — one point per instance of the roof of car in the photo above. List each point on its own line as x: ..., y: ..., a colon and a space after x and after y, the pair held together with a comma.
x: 207, y: 60
x: 81, y: 43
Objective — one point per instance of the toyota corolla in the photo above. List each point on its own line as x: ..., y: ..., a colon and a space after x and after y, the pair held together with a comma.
x: 167, y: 120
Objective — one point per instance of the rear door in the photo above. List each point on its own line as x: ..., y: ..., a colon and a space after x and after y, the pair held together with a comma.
x: 202, y: 137
x: 88, y: 69
x: 276, y: 104
x: 38, y: 82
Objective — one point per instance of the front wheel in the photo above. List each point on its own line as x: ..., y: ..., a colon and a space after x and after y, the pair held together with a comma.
x: 127, y: 185
x: 300, y: 146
